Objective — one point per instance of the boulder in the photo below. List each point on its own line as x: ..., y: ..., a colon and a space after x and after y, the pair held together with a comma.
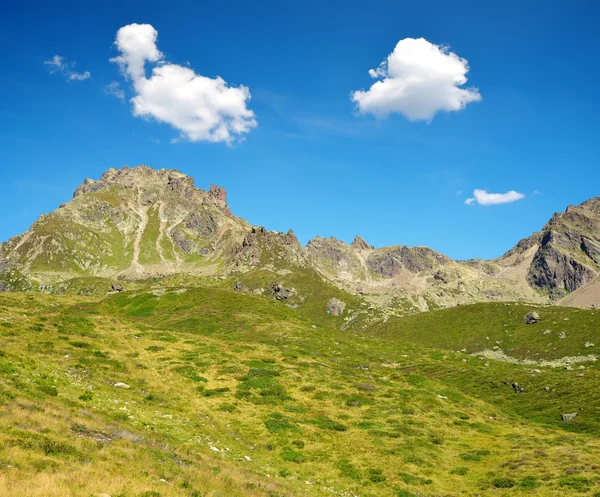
x: 116, y: 287
x: 335, y: 307
x: 532, y: 318
x: 279, y: 292
x: 568, y: 416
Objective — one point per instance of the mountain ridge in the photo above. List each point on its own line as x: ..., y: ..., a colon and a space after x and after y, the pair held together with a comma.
x: 140, y: 222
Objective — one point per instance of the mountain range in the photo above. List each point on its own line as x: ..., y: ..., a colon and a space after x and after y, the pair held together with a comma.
x: 139, y: 223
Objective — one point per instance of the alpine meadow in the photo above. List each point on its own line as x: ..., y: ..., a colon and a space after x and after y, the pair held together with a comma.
x: 163, y: 331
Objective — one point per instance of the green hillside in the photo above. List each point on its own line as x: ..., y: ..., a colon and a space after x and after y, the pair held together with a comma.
x: 206, y: 391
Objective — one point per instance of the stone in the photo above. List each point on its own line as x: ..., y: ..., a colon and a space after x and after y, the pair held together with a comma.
x: 279, y: 292
x: 568, y: 416
x: 218, y: 192
x: 532, y: 318
x: 335, y: 307
x: 120, y: 384
x: 588, y: 345
x: 116, y: 287
x: 239, y: 287
x: 517, y: 388
x: 562, y: 334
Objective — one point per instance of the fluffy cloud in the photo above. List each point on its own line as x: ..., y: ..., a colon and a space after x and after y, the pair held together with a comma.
x: 201, y: 108
x: 482, y: 197
x: 58, y: 64
x: 418, y: 79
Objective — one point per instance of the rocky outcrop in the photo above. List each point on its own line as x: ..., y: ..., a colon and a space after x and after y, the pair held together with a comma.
x: 335, y: 307
x: 569, y: 250
x: 388, y: 262
x: 279, y: 292
x: 360, y: 244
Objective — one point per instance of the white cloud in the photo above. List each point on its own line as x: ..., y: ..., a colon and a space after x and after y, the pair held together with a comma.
x: 79, y: 76
x: 418, y: 79
x: 58, y: 64
x: 482, y: 197
x: 114, y: 88
x: 201, y: 108
x: 55, y: 64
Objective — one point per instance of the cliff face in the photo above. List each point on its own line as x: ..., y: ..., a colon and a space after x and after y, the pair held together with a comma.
x: 139, y: 222
x: 569, y: 250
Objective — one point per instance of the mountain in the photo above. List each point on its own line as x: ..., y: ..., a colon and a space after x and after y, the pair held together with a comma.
x: 173, y: 349
x: 138, y: 223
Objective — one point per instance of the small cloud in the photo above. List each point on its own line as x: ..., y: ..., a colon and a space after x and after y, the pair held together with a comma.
x: 482, y: 197
x: 59, y: 64
x: 154, y: 140
x: 55, y: 64
x: 199, y: 107
x: 79, y: 76
x: 535, y: 193
x: 418, y: 79
x: 459, y: 193
x: 114, y: 89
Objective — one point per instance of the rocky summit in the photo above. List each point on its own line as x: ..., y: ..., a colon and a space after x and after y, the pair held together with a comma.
x: 137, y: 223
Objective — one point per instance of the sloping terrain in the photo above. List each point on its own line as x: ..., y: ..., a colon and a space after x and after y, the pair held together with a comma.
x: 212, y: 391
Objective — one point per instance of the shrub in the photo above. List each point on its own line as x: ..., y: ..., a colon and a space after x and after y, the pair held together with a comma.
x: 461, y: 470
x: 325, y: 423
x: 298, y: 443
x: 213, y: 392
x: 348, y: 470
x: 376, y: 475
x: 577, y: 483
x: 48, y: 389
x: 292, y: 456
x: 277, y: 423
x: 86, y: 396
x: 503, y: 482
x: 529, y: 483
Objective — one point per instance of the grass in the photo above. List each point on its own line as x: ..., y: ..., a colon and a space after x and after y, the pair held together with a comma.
x: 236, y: 394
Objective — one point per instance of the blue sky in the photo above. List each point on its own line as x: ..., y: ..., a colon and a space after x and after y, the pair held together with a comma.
x: 309, y: 158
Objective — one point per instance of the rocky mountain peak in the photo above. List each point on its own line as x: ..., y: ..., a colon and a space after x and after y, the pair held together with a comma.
x: 155, y: 185
x: 360, y: 244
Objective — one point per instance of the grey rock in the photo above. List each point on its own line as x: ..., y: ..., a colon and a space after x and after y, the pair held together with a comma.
x: 116, y: 287
x: 568, y: 416
x: 532, y: 317
x: 335, y: 307
x: 588, y: 345
x: 279, y: 292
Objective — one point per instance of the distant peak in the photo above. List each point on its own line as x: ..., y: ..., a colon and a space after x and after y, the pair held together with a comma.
x: 156, y: 183
x: 360, y: 244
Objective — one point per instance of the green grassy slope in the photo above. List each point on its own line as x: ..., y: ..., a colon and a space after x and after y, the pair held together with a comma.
x: 234, y: 394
